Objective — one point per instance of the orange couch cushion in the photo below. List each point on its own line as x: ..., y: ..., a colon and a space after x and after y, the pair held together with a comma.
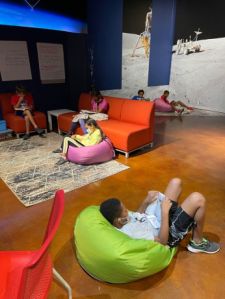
x: 126, y: 136
x: 137, y: 112
x: 115, y: 107
x: 84, y: 102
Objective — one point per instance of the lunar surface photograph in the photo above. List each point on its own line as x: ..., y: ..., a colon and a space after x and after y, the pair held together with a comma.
x: 197, y: 66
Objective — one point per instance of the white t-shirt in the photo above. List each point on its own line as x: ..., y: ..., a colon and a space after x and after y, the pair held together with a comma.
x: 145, y: 225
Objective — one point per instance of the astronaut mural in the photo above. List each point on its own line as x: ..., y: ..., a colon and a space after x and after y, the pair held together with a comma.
x: 136, y: 45
x: 197, y: 69
x: 143, y: 40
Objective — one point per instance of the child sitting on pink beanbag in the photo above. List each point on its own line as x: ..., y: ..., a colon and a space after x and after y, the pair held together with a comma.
x: 162, y: 106
x: 93, y: 154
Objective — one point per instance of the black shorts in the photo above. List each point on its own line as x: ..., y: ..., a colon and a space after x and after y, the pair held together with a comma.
x: 20, y: 113
x: 180, y: 223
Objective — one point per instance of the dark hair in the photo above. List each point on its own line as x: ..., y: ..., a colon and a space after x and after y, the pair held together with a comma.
x: 92, y: 122
x: 98, y: 94
x: 140, y: 90
x: 21, y: 88
x: 166, y: 91
x: 111, y: 209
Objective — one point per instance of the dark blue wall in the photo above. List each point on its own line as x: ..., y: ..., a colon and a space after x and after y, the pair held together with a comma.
x: 105, y: 21
x: 163, y: 22
x: 52, y: 96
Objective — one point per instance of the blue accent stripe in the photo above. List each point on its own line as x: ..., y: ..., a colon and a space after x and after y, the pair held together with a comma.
x: 163, y: 23
x: 105, y: 20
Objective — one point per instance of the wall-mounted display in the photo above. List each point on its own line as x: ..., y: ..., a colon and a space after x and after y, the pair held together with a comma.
x: 14, y: 61
x: 51, y: 63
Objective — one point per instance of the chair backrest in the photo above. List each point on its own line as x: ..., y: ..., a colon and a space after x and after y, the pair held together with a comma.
x: 84, y: 101
x: 115, y: 107
x: 37, y: 275
x: 5, y: 103
x: 137, y: 112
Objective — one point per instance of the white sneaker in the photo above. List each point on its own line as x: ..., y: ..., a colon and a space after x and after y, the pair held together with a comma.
x: 186, y: 111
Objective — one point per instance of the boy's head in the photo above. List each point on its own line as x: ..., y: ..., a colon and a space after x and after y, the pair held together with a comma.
x: 115, y: 212
x: 97, y: 97
x: 20, y: 90
x: 166, y: 93
x: 141, y: 93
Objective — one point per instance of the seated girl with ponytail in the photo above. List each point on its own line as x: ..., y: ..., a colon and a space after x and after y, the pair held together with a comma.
x: 94, y: 136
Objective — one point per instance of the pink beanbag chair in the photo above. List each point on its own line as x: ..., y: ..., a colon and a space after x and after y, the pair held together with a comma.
x: 93, y: 154
x: 161, y: 106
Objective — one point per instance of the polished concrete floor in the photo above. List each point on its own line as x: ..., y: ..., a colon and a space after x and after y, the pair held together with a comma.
x: 192, y: 148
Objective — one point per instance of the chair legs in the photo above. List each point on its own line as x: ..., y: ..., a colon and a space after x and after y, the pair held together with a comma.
x: 58, y: 277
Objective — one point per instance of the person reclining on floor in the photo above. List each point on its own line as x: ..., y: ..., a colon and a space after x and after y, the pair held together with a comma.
x: 94, y: 136
x: 162, y: 104
x: 22, y: 104
x: 159, y: 218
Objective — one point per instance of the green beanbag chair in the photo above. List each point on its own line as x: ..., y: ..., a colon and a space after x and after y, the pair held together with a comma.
x: 109, y: 255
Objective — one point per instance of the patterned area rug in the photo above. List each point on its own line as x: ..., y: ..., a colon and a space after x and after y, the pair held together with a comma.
x: 195, y: 112
x: 28, y: 168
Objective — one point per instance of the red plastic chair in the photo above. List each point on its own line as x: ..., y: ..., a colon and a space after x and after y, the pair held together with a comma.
x: 28, y: 274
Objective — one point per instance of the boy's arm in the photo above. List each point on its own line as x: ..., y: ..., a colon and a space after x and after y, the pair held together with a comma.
x: 152, y: 196
x: 18, y: 102
x: 164, y: 230
x: 104, y: 107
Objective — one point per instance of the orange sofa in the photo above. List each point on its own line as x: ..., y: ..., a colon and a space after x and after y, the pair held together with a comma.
x: 130, y: 125
x: 17, y: 123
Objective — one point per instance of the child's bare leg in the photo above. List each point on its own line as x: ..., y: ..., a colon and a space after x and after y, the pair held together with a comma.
x: 174, y: 189
x: 27, y: 123
x: 194, y: 206
x: 182, y: 104
x: 30, y: 117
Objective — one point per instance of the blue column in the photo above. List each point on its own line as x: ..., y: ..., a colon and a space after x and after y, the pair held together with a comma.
x: 105, y: 21
x: 163, y: 23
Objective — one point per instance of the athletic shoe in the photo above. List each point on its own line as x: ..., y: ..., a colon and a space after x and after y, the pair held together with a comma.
x: 39, y: 131
x: 190, y: 108
x: 57, y: 151
x: 179, y: 112
x: 186, y: 111
x: 205, y: 246
x: 26, y: 136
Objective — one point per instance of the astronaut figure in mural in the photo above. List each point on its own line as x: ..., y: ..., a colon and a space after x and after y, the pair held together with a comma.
x: 145, y: 36
x: 148, y: 21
